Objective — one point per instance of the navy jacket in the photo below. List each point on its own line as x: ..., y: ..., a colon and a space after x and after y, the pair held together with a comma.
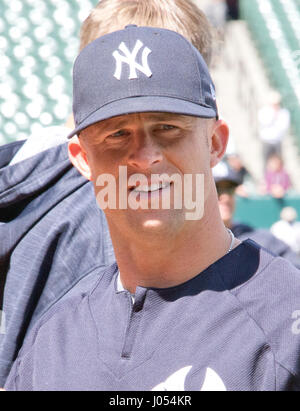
x: 52, y: 234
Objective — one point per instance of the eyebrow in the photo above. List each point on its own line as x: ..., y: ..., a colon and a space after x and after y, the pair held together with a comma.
x: 106, y: 126
x: 110, y: 125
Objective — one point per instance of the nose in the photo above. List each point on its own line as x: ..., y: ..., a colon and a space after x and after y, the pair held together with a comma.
x: 145, y: 154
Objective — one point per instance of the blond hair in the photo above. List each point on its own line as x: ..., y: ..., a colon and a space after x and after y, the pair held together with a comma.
x: 182, y: 16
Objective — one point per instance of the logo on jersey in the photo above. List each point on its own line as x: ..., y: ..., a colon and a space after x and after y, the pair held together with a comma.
x: 130, y: 58
x: 176, y: 382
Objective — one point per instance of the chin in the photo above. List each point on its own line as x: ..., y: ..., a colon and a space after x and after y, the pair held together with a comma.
x: 158, y: 222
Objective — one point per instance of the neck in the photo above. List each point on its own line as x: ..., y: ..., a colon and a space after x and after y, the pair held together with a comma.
x: 166, y: 262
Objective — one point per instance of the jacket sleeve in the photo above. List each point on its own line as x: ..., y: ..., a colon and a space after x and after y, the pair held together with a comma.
x: 273, y: 244
x: 291, y: 256
x: 272, y: 300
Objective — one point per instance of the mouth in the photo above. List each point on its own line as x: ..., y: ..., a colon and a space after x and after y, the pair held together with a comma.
x: 156, y: 192
x: 152, y: 188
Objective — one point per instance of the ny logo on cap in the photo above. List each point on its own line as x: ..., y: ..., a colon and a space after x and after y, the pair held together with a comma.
x: 130, y: 59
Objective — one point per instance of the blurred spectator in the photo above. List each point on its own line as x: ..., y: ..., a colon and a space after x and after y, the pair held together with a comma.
x: 274, y: 124
x: 277, y: 180
x: 236, y: 164
x: 246, y: 184
x: 287, y: 228
x: 233, y: 9
x: 227, y: 181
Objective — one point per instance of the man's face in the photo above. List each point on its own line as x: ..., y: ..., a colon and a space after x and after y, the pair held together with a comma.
x: 147, y: 144
x: 226, y: 195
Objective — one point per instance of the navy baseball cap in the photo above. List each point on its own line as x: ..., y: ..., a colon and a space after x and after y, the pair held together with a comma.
x: 140, y: 69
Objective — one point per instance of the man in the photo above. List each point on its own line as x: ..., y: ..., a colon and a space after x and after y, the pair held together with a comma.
x: 274, y: 124
x: 46, y: 205
x: 187, y: 306
x: 227, y: 181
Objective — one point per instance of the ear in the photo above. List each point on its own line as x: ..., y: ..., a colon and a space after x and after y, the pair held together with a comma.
x: 219, y: 141
x: 78, y: 158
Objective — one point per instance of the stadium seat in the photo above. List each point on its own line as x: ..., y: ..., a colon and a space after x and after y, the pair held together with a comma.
x: 38, y: 44
x: 275, y: 27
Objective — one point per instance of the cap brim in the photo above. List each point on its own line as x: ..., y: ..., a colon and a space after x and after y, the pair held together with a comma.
x: 144, y: 105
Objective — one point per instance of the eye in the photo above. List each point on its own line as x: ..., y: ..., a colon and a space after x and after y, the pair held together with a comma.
x: 118, y: 135
x: 167, y: 130
x: 167, y: 127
